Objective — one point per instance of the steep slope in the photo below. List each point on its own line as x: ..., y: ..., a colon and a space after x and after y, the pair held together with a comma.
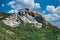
x: 32, y: 15
x: 26, y: 15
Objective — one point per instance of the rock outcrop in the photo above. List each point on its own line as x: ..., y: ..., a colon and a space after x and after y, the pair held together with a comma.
x: 26, y: 15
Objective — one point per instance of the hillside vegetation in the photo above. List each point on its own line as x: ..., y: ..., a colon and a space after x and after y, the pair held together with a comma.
x: 28, y: 32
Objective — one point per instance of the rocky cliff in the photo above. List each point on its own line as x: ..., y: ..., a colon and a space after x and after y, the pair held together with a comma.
x: 26, y: 15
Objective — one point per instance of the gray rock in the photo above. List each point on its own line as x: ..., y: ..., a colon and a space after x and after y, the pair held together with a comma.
x: 26, y: 15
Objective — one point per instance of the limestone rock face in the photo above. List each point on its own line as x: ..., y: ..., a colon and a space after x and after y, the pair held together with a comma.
x: 32, y: 16
x: 12, y: 20
x: 26, y: 15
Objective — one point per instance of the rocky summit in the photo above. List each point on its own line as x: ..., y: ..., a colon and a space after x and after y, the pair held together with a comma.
x: 26, y: 15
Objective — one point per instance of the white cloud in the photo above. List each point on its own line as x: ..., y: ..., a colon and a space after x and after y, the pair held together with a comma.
x: 19, y: 4
x: 50, y: 8
x: 11, y: 2
x: 57, y: 10
x: 37, y: 5
x: 52, y: 17
x: 3, y: 5
x: 13, y: 11
x: 54, y: 13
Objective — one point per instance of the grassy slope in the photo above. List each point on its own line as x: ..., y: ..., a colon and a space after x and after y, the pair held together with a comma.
x: 28, y: 32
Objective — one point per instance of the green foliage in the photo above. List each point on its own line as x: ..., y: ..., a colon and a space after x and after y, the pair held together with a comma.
x: 28, y: 32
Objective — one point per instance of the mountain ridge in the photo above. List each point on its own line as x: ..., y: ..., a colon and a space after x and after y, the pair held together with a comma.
x: 26, y: 15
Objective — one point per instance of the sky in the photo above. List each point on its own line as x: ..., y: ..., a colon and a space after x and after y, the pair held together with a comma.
x: 49, y: 8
